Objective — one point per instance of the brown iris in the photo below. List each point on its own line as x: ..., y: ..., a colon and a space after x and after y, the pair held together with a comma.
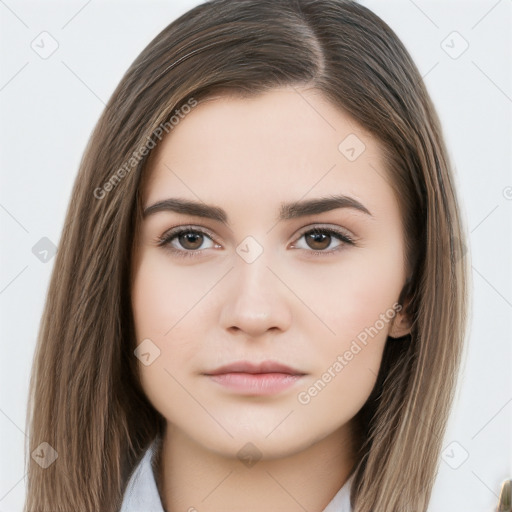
x: 318, y: 239
x: 195, y: 239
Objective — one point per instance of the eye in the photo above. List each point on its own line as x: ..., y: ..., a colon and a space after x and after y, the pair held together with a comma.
x: 188, y: 241
x: 320, y: 238
x: 185, y: 241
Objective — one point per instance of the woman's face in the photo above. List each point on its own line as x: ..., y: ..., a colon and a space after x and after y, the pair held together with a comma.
x: 248, y: 281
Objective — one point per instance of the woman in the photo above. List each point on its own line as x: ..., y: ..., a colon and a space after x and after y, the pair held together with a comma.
x: 259, y: 299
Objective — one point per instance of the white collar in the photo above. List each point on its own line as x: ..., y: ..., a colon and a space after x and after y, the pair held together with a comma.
x: 142, y: 495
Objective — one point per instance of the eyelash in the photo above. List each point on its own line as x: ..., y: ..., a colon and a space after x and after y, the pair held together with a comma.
x: 166, y: 239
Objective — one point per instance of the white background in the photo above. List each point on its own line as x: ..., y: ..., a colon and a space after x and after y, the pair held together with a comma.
x: 50, y: 106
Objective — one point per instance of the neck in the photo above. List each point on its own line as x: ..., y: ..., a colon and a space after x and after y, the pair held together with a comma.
x: 192, y: 478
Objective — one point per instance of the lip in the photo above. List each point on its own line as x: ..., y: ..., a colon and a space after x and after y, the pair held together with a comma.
x: 268, y: 366
x: 246, y: 378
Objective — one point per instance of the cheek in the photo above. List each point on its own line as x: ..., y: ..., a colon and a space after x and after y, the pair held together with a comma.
x: 347, y: 362
x: 356, y: 302
x: 162, y: 305
x: 163, y: 297
x: 351, y: 296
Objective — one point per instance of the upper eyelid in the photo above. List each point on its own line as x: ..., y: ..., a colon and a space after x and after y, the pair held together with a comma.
x: 187, y: 227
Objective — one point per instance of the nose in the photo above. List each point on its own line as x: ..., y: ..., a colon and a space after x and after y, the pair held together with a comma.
x: 256, y: 301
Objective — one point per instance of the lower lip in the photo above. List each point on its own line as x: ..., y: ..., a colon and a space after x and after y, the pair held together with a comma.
x: 256, y: 383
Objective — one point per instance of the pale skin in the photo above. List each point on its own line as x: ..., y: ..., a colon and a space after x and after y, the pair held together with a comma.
x: 248, y: 156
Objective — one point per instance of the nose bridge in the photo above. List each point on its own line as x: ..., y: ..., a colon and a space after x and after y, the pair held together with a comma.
x: 256, y: 299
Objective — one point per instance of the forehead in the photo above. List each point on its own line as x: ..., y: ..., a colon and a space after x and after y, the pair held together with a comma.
x: 280, y: 145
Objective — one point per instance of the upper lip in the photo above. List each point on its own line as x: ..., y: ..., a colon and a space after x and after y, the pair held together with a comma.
x: 248, y: 367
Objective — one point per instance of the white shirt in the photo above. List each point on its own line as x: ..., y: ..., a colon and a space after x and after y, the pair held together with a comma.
x: 142, y: 495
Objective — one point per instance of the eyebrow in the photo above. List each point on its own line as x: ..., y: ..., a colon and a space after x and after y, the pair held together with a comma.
x: 288, y: 211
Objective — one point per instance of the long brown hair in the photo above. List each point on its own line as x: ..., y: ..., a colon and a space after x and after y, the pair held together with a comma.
x: 86, y: 400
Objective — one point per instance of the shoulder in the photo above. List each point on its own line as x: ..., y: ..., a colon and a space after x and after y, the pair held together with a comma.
x: 141, y: 494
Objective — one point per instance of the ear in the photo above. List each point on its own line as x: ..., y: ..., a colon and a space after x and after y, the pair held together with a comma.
x: 400, y: 324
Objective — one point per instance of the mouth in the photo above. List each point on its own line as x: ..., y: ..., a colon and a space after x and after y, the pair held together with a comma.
x: 246, y: 378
